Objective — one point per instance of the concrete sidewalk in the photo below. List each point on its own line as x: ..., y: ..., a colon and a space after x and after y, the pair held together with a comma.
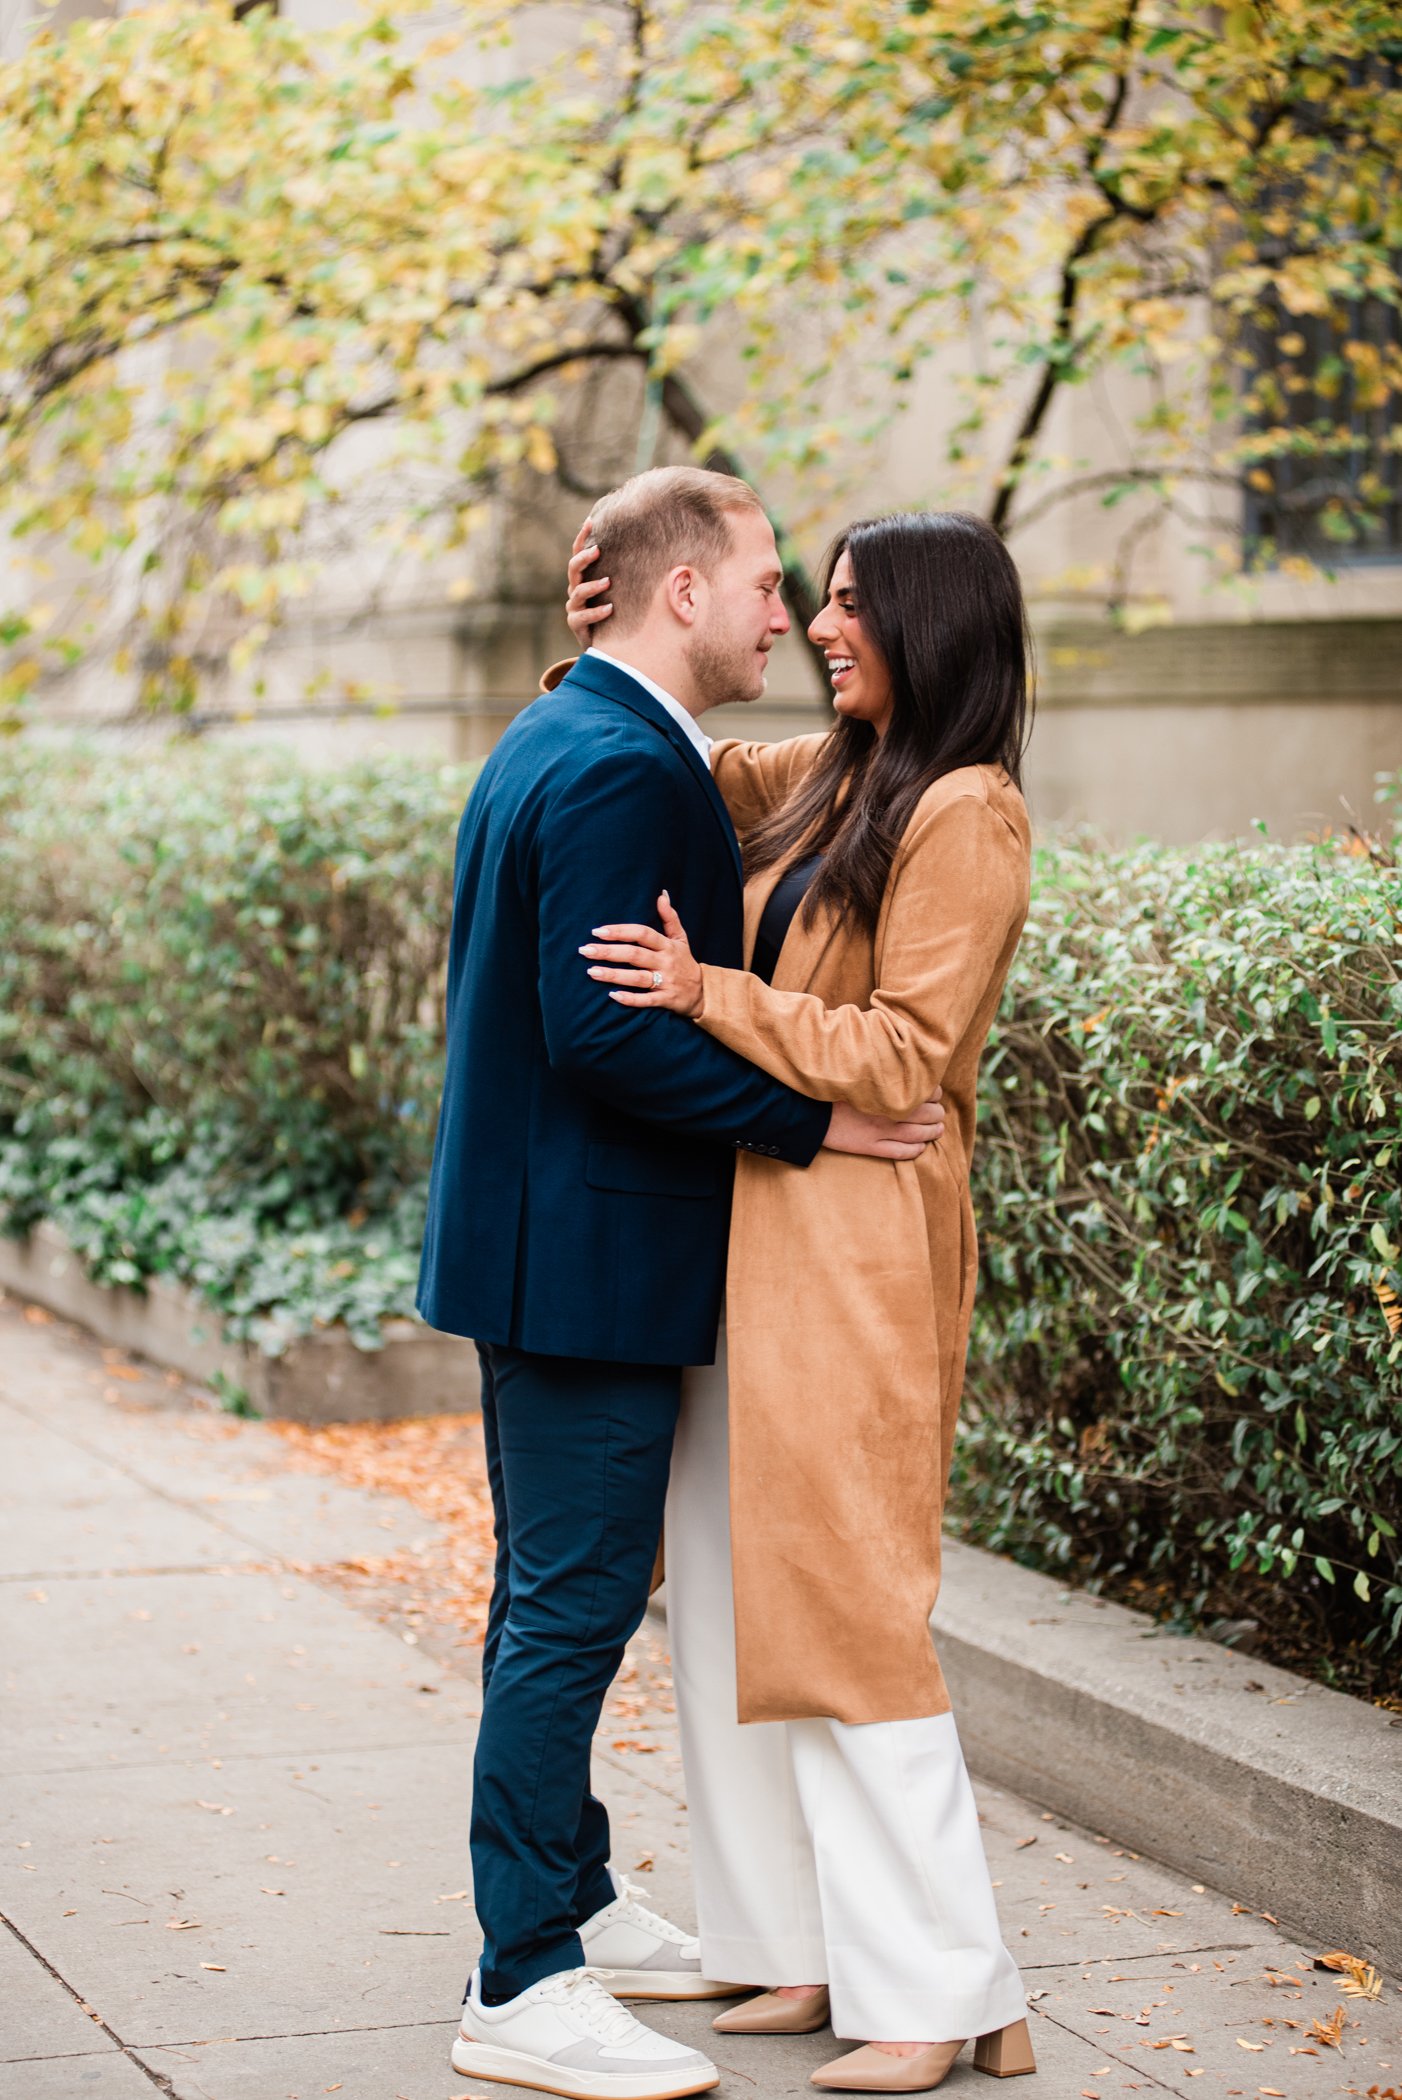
x: 234, y: 1860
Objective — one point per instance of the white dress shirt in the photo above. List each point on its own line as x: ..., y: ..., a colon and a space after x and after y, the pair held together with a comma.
x: 688, y: 724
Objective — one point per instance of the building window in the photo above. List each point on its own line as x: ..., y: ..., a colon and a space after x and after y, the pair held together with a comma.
x: 1327, y: 382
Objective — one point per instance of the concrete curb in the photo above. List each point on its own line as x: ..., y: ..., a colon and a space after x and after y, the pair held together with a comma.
x: 1276, y: 1790
x: 324, y: 1378
x: 1257, y: 1783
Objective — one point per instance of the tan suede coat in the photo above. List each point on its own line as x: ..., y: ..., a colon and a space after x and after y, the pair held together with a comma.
x: 851, y: 1282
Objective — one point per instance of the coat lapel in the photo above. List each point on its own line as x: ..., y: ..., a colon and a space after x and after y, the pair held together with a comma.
x: 611, y: 683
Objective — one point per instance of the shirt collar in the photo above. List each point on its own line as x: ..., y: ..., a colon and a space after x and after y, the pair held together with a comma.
x: 685, y: 722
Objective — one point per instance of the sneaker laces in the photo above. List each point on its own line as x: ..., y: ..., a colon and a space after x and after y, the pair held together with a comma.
x: 637, y: 1913
x: 592, y: 2005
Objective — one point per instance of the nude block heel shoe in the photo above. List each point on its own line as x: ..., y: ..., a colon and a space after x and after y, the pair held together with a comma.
x: 771, y: 2014
x: 868, y: 2070
x: 1006, y: 2054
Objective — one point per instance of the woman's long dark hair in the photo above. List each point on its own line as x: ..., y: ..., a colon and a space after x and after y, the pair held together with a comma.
x: 937, y: 593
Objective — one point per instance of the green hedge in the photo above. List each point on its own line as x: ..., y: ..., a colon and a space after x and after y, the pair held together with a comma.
x: 220, y: 994
x: 220, y: 1015
x: 1184, y: 1374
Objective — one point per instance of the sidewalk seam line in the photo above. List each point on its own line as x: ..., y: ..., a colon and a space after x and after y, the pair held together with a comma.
x: 157, y: 2078
x: 1170, y: 1954
x: 1109, y: 2050
x: 291, y: 2034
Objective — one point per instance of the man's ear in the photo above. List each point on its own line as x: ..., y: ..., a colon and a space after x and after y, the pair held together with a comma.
x: 682, y: 590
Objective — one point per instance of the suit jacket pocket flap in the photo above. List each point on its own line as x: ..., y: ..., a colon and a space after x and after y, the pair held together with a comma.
x: 661, y: 1172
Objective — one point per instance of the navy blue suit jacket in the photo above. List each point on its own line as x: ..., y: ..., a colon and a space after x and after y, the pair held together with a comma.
x: 580, y: 1197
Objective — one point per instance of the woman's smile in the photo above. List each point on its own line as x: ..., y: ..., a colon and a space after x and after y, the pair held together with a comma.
x: 860, y: 681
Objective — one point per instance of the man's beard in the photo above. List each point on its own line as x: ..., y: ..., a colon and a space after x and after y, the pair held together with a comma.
x: 724, y: 669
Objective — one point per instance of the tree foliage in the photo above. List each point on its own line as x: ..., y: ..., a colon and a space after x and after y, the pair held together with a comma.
x: 230, y: 243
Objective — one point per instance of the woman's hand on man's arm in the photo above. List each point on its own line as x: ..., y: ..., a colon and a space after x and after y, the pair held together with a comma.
x: 658, y: 969
x: 650, y: 968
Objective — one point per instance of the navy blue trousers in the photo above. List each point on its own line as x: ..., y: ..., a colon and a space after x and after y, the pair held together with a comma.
x: 578, y: 1456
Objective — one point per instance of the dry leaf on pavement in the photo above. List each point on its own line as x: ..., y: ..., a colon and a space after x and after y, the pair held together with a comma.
x: 1330, y: 2031
x: 1361, y: 1979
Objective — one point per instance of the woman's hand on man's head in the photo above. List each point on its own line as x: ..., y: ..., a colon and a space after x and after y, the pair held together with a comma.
x: 657, y: 969
x: 582, y: 609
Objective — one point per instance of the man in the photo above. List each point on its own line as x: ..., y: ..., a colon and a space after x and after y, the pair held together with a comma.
x: 577, y: 1228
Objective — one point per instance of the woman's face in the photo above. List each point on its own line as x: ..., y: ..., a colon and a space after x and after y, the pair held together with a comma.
x: 861, y: 684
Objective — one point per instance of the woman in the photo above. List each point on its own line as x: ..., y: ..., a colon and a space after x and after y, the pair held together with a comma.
x: 838, y: 1856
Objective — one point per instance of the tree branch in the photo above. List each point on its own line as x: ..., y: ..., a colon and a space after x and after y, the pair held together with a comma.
x: 1113, y: 477
x: 1069, y: 287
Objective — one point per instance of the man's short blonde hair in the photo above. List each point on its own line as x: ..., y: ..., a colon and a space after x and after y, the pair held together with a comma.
x: 656, y: 522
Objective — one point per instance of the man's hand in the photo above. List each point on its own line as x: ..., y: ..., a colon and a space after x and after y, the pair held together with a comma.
x: 875, y: 1137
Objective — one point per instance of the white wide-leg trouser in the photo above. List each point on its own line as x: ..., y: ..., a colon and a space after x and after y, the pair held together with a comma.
x: 823, y: 1851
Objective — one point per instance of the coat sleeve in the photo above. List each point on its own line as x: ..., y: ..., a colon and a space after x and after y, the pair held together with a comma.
x: 959, y: 896
x: 604, y: 848
x: 756, y: 778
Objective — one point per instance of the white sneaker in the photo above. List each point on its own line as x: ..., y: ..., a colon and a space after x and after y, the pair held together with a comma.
x: 647, y: 1956
x: 567, y: 2035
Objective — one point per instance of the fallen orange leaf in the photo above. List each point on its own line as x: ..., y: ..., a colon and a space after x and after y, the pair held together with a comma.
x: 1361, y: 1979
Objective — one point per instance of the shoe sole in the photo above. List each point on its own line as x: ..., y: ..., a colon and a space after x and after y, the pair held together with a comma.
x: 515, y: 2067
x: 663, y: 1984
